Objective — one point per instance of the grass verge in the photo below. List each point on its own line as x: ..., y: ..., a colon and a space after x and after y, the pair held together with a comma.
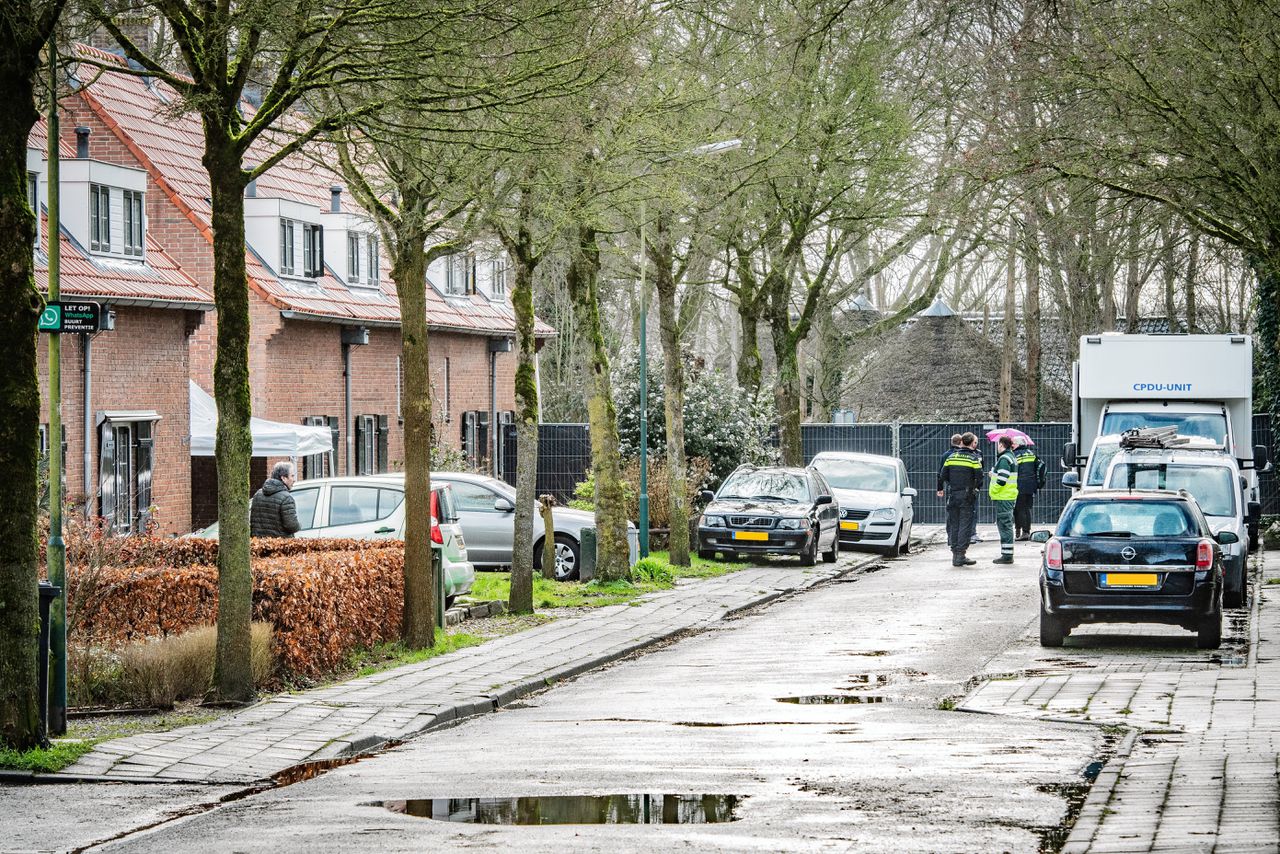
x: 387, y: 655
x: 57, y: 756
x: 655, y: 573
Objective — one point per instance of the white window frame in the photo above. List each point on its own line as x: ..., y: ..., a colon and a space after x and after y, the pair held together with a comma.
x: 353, y: 258
x: 288, y: 245
x: 498, y: 277
x: 134, y: 223
x: 460, y: 274
x: 374, y: 261
x: 312, y: 250
x: 99, y: 218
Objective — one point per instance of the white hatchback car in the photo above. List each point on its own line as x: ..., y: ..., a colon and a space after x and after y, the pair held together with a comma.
x: 876, y: 507
x: 372, y: 507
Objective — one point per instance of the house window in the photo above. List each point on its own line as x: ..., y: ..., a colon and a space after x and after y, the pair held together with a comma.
x: 312, y: 251
x: 353, y: 258
x: 99, y: 218
x: 460, y: 274
x: 124, y: 474
x: 286, y: 247
x: 374, y: 261
x: 475, y: 437
x: 133, y: 226
x: 371, y: 444
x: 325, y: 464
x: 498, y: 270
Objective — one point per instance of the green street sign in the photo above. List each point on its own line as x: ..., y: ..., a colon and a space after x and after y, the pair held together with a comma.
x: 66, y: 316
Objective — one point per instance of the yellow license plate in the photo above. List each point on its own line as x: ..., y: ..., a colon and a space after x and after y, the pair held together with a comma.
x: 848, y: 526
x: 1130, y: 579
x: 750, y: 535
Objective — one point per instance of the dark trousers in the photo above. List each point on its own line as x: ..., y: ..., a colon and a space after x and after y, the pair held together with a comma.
x: 959, y: 519
x: 1022, y: 513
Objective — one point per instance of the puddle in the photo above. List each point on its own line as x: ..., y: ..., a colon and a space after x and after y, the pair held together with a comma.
x: 574, y: 809
x: 872, y: 653
x: 869, y: 679
x: 832, y: 699
x: 1052, y: 839
x: 310, y: 770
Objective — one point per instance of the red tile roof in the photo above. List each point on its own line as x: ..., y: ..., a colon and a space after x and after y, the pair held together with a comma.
x: 170, y: 148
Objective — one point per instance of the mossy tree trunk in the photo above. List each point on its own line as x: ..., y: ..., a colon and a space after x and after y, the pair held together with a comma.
x: 409, y: 271
x: 233, y: 675
x: 23, y: 29
x: 750, y: 305
x: 612, y: 552
x: 662, y: 254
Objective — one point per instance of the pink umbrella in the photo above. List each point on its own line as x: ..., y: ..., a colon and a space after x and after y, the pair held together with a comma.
x: 1018, y: 437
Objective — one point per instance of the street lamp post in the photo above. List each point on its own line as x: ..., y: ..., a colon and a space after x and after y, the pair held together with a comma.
x: 700, y: 151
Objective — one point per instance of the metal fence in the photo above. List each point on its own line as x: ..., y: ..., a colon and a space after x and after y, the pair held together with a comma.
x: 564, y: 457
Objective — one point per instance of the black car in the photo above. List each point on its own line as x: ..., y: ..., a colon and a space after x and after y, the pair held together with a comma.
x: 1140, y: 556
x: 788, y: 511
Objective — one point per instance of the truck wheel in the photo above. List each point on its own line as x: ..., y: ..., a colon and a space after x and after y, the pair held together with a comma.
x: 1209, y: 631
x: 1053, y: 630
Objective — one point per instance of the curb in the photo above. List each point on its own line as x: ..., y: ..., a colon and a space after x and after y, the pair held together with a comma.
x: 1100, y: 793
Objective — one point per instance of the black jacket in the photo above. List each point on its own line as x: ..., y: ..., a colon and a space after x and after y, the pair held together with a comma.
x: 1031, y: 471
x: 961, y: 469
x: 272, y: 512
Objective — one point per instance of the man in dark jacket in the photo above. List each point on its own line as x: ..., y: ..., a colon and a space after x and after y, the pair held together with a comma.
x: 959, y: 478
x: 1031, y: 475
x: 272, y: 512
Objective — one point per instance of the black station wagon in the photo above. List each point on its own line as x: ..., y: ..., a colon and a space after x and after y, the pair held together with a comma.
x: 789, y: 511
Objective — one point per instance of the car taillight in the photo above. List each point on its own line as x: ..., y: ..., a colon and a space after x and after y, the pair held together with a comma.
x: 1053, y: 554
x: 436, y: 536
x: 1204, y: 554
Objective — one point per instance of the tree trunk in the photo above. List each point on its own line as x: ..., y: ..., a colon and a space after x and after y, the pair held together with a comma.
x: 1193, y: 264
x: 545, y: 503
x: 750, y: 365
x: 673, y: 396
x: 233, y: 676
x: 1009, y: 350
x: 409, y: 272
x: 1132, y: 278
x: 612, y: 551
x: 828, y: 373
x: 787, y: 391
x: 1031, y: 258
x: 1266, y: 266
x: 1169, y: 273
x: 521, y: 598
x: 20, y: 305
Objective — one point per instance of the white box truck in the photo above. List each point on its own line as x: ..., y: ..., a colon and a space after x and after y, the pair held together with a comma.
x: 1201, y: 384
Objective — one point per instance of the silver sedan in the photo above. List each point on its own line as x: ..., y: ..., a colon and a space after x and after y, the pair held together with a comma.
x: 486, y: 511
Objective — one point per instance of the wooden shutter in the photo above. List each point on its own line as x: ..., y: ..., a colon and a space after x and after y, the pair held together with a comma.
x: 337, y: 445
x: 382, y: 444
x: 359, y: 435
x: 144, y: 452
x: 107, y: 471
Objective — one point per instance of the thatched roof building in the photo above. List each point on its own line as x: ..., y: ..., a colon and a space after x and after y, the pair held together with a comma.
x: 939, y: 368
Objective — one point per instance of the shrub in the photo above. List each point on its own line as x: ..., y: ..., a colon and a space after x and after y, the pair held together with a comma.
x: 162, y: 671
x: 652, y: 569
x: 697, y: 475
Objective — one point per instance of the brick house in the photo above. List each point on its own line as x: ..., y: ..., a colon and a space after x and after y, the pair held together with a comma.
x: 325, y: 346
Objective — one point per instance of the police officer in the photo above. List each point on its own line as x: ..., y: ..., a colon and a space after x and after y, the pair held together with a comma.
x: 959, y: 477
x: 1031, y: 475
x: 1003, y: 492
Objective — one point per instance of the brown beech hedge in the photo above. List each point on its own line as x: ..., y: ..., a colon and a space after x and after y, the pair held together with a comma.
x: 324, y: 598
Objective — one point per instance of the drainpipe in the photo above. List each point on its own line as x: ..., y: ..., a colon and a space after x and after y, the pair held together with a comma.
x: 86, y: 349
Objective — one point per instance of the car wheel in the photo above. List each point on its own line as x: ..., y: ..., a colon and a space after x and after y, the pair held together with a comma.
x: 1232, y: 597
x: 1053, y: 630
x: 1209, y: 629
x: 906, y: 542
x: 568, y: 556
x: 1254, y: 539
x: 706, y: 554
x: 449, y: 600
x: 810, y: 555
x: 834, y: 553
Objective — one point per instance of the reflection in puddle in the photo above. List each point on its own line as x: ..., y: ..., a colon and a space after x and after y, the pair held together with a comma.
x: 832, y: 699
x: 575, y: 809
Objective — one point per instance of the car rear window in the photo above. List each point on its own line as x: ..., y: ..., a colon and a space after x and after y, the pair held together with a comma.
x: 1124, y: 517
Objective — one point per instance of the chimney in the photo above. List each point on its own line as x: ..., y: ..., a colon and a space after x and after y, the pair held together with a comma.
x: 251, y: 189
x: 82, y: 143
x: 335, y: 199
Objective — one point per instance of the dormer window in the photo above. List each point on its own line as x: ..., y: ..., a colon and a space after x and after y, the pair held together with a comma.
x: 288, y: 241
x: 312, y: 251
x: 353, y: 258
x: 498, y: 273
x: 460, y: 274
x: 374, y: 261
x: 99, y: 218
x: 133, y: 230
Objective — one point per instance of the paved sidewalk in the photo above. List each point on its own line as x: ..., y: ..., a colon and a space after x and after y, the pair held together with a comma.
x: 346, y: 719
x: 1201, y: 772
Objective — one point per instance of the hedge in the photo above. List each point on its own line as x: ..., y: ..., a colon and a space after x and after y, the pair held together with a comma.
x: 323, y: 598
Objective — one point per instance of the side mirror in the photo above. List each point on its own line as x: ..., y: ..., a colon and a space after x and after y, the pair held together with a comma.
x: 1069, y: 455
x: 1040, y: 536
x: 1071, y: 479
x: 910, y: 492
x: 1253, y: 512
x: 1227, y: 538
x: 1262, y: 458
x: 502, y: 505
x: 823, y: 499
x: 707, y: 496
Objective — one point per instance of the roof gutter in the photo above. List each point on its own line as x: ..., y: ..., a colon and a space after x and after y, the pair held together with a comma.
x: 290, y: 314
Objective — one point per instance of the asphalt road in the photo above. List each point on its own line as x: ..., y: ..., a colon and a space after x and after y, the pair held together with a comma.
x: 895, y: 772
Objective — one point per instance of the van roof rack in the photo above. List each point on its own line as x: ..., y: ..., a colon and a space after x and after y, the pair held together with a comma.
x: 1152, y: 437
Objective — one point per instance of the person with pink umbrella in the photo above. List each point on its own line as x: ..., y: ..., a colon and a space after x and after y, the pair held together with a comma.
x: 1003, y: 492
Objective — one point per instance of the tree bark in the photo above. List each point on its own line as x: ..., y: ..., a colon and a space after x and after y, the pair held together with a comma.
x: 409, y: 271
x: 20, y: 306
x: 233, y: 676
x: 1266, y: 266
x: 521, y: 597
x: 750, y: 365
x: 673, y: 395
x: 545, y: 503
x: 1010, y: 344
x: 612, y: 551
x: 1031, y: 259
x: 1193, y: 265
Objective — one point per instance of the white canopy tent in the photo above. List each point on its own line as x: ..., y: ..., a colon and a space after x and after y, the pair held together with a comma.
x: 270, y: 438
